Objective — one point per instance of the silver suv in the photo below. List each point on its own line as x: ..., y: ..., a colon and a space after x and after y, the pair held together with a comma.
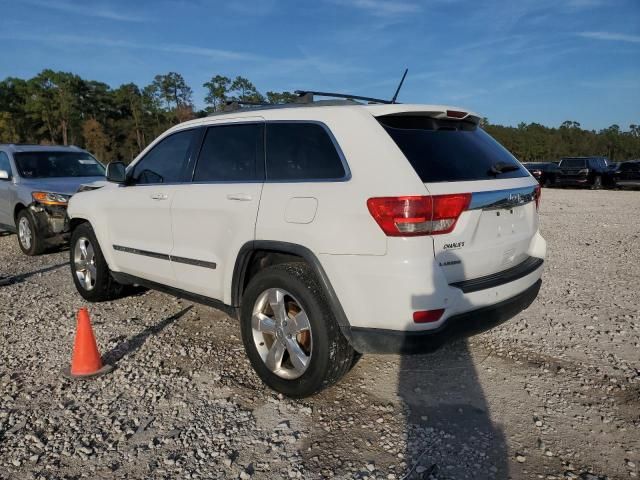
x: 36, y: 183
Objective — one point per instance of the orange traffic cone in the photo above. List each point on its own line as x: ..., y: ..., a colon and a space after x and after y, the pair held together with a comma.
x: 86, y: 360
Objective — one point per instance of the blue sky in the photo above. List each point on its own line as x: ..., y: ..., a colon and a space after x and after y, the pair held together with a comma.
x: 522, y: 60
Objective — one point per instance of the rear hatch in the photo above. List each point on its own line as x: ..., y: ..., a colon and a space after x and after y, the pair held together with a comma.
x: 456, y: 156
x: 573, y: 167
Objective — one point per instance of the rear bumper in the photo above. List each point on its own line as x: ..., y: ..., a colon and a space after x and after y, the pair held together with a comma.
x: 376, y: 340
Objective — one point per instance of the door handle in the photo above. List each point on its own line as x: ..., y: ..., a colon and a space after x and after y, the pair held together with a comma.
x: 242, y: 197
x: 159, y: 196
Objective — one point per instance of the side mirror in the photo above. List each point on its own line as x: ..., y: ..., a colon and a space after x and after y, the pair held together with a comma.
x: 116, y: 172
x: 4, y: 175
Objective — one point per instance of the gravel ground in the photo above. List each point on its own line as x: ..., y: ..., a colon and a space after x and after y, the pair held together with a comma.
x: 553, y: 393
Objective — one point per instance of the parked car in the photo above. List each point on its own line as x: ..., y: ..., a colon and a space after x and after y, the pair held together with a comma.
x: 628, y: 174
x: 35, y: 185
x: 332, y: 229
x: 590, y: 172
x: 544, y: 172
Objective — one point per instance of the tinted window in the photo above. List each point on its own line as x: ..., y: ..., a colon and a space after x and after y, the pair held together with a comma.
x: 450, y: 151
x: 232, y: 153
x: 166, y: 162
x: 57, y: 164
x: 4, y: 163
x: 573, y: 163
x: 301, y: 151
x: 630, y: 167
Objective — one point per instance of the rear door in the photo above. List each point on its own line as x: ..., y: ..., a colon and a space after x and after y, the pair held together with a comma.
x: 215, y: 215
x: 453, y: 157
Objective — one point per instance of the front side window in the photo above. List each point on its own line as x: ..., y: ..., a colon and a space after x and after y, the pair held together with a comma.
x: 231, y: 153
x: 166, y: 161
x: 301, y: 151
x: 4, y: 163
x: 44, y: 164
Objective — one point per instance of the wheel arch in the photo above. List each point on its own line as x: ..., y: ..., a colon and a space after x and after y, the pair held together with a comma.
x: 284, y: 251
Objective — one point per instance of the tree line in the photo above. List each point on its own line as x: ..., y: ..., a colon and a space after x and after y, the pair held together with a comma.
x: 117, y: 123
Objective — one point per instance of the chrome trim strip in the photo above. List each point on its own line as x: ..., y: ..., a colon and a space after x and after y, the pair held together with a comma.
x: 191, y: 261
x: 502, y: 199
x: 164, y: 256
x: 145, y: 253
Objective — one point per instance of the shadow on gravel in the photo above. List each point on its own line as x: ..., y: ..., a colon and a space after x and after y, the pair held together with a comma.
x: 450, y: 434
x: 113, y: 356
x: 23, y: 276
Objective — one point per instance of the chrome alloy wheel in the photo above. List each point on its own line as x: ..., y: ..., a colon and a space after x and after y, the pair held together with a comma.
x: 84, y: 261
x: 282, y: 333
x: 25, y: 233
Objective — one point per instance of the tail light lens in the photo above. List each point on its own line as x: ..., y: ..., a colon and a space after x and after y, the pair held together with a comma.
x: 418, y: 215
x: 427, y: 316
x: 537, y: 194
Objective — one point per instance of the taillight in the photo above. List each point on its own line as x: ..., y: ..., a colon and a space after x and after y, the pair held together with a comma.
x: 427, y: 316
x: 536, y: 195
x: 418, y: 215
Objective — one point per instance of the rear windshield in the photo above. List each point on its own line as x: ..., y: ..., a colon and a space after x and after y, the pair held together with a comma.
x: 57, y: 164
x: 573, y: 163
x: 450, y: 151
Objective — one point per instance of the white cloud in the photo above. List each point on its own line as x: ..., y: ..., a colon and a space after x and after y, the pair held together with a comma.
x: 88, y: 10
x: 382, y: 7
x: 611, y: 36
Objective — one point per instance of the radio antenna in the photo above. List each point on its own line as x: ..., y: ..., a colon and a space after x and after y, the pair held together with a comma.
x: 393, y: 100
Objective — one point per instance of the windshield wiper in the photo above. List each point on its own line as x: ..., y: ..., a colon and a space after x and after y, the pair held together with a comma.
x: 502, y: 167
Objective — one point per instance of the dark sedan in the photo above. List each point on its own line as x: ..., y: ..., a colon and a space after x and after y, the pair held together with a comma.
x: 544, y: 172
x: 628, y: 174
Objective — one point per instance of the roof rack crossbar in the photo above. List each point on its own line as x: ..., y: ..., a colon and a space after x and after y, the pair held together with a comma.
x: 308, y: 94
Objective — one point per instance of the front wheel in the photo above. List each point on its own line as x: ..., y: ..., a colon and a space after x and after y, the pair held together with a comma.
x: 30, y: 241
x: 290, y: 334
x: 91, y: 274
x: 597, y: 183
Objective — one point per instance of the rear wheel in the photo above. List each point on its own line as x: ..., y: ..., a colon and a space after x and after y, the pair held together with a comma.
x: 289, y: 332
x: 91, y: 274
x: 30, y: 241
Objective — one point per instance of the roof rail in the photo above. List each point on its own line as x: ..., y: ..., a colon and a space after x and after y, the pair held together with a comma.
x: 306, y: 96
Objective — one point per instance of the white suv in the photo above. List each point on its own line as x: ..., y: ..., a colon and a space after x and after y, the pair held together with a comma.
x: 331, y: 228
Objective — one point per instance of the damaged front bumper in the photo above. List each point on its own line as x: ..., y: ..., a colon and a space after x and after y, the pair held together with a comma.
x: 52, y: 222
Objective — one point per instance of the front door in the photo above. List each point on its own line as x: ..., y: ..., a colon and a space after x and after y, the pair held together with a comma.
x: 216, y: 215
x: 139, y: 217
x: 6, y: 193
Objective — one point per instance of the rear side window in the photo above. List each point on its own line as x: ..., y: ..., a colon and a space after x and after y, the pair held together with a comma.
x: 301, y: 151
x: 231, y: 153
x: 166, y: 161
x: 450, y: 151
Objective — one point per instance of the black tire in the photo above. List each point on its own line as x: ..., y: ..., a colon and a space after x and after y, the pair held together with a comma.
x: 597, y: 183
x: 35, y: 244
x: 103, y: 286
x: 331, y: 354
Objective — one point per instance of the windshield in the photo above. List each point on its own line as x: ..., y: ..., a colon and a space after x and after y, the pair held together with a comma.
x: 57, y: 164
x: 573, y: 163
x: 450, y: 151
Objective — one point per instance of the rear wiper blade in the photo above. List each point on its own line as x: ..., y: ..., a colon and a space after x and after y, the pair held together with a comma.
x: 502, y: 167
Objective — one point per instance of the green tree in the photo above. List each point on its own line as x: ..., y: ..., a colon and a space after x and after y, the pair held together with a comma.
x: 217, y: 89
x: 281, y: 97
x: 173, y: 89
x: 243, y: 90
